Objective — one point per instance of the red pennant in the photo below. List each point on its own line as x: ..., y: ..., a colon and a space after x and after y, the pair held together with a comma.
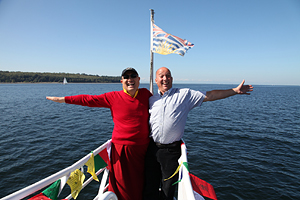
x: 40, y: 196
x: 202, y: 187
x: 104, y: 156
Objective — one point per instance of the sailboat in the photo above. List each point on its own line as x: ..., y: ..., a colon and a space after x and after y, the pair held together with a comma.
x: 65, y: 81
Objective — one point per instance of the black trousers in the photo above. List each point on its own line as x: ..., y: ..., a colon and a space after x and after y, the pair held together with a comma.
x: 160, y: 163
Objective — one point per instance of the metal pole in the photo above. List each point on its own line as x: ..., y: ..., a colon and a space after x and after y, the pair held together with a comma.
x: 151, y: 53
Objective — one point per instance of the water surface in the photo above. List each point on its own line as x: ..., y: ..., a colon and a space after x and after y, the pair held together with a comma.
x: 247, y: 147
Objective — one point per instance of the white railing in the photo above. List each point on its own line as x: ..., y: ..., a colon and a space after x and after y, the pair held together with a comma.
x: 64, y: 175
x: 185, y: 190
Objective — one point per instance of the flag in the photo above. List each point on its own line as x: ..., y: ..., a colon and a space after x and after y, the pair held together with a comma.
x: 102, y: 158
x: 203, y: 188
x: 91, y: 167
x: 165, y: 43
x: 75, y: 182
x: 40, y: 196
x: 50, y: 193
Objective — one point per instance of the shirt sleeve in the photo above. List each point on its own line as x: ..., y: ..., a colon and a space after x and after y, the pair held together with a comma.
x: 89, y: 100
x: 196, y: 98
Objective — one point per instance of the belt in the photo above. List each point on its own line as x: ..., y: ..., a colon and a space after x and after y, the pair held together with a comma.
x: 173, y: 144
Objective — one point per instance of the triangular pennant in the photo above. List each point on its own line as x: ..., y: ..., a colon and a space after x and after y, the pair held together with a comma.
x: 91, y: 167
x: 202, y: 187
x: 75, y: 182
x: 52, y: 191
x: 186, y: 166
x: 104, y: 155
x: 101, y: 160
x: 40, y: 196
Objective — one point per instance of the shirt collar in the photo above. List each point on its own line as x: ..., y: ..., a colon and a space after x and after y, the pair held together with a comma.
x: 137, y: 91
x: 166, y: 93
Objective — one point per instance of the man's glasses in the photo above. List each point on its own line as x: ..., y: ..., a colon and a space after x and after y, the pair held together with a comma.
x: 131, y: 76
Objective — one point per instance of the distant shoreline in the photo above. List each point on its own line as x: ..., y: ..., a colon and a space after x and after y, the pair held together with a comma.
x: 35, y: 77
x: 54, y: 83
x: 60, y: 83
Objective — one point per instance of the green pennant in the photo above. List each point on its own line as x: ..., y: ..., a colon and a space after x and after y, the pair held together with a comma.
x: 52, y: 191
x: 186, y: 165
x: 99, y: 162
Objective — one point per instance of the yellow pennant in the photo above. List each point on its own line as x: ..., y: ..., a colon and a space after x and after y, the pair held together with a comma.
x: 75, y: 182
x: 91, y: 167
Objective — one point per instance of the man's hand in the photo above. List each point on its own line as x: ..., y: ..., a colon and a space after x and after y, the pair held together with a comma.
x: 243, y: 89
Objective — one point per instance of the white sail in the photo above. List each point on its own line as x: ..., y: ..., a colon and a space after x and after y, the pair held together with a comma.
x: 65, y: 81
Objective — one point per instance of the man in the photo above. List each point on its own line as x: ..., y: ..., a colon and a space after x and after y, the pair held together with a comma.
x: 129, y: 108
x: 168, y: 113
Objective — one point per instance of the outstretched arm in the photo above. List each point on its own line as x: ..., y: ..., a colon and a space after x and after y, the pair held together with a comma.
x: 222, y: 94
x: 57, y: 99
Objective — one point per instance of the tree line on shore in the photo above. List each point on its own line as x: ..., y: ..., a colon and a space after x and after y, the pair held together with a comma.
x: 37, y: 77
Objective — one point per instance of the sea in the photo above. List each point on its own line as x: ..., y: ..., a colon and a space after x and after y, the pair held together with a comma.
x: 245, y: 146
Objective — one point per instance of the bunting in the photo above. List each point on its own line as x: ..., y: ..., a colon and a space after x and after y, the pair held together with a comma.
x: 50, y: 193
x: 40, y: 196
x: 202, y: 187
x: 77, y: 177
x: 91, y: 167
x: 101, y: 160
x: 75, y: 182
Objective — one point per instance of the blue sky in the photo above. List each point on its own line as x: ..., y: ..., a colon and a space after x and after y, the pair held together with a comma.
x: 255, y: 40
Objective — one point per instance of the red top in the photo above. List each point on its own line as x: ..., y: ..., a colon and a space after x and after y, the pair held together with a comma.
x: 130, y: 115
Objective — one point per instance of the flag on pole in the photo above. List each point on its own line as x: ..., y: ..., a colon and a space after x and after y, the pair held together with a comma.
x: 165, y: 43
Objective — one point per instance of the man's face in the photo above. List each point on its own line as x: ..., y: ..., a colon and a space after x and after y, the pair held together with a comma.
x: 130, y: 82
x: 163, y: 79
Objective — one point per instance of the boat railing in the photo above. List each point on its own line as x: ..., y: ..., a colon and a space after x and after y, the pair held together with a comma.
x: 185, y: 189
x: 64, y: 174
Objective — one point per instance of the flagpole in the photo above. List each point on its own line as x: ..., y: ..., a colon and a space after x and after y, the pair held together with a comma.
x: 151, y: 47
